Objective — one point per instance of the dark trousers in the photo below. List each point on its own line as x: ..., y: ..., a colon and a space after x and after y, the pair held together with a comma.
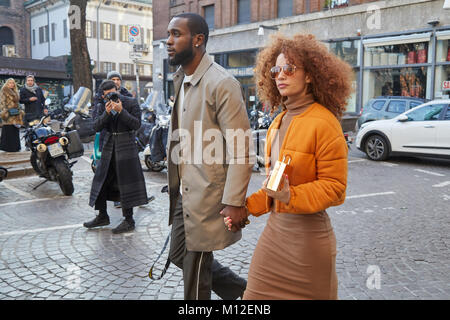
x: 201, y: 272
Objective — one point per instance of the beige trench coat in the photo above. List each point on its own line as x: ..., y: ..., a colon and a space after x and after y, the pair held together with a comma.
x: 213, y: 100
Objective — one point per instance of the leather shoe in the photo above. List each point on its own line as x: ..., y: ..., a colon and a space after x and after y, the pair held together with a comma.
x: 125, y: 226
x: 98, y: 221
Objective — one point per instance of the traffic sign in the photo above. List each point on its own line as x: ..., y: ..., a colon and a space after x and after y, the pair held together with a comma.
x: 134, y: 34
x: 135, y: 55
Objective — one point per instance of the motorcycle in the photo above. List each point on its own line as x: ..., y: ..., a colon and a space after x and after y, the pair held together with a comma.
x: 3, y: 173
x: 78, y: 115
x: 264, y: 120
x: 51, y: 152
x: 348, y: 139
x: 60, y: 113
x: 253, y: 118
x: 155, y: 152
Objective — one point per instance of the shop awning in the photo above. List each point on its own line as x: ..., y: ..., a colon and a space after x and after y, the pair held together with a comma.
x: 389, y: 41
x: 443, y: 35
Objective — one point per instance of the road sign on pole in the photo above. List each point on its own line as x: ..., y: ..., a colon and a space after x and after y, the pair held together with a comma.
x: 135, y: 55
x: 134, y: 34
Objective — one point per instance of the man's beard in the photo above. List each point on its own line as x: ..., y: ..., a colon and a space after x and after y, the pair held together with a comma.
x: 182, y: 58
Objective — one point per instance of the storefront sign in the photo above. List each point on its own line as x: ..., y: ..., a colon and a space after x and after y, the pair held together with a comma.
x: 446, y: 86
x: 16, y: 72
x: 241, y: 72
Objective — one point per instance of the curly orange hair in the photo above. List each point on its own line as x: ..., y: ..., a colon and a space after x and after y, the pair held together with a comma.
x: 330, y: 76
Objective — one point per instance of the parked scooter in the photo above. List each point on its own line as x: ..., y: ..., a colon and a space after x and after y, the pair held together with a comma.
x: 155, y: 152
x: 50, y: 152
x: 253, y: 118
x: 264, y: 120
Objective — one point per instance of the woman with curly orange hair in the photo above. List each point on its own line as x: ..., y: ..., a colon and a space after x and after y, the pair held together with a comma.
x: 296, y: 253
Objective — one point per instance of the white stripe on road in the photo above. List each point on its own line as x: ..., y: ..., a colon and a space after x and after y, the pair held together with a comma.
x: 31, y: 201
x: 359, y: 160
x: 22, y: 193
x: 12, y: 233
x: 442, y: 184
x: 370, y: 195
x: 79, y: 195
x: 88, y: 160
x: 430, y: 172
x: 388, y: 164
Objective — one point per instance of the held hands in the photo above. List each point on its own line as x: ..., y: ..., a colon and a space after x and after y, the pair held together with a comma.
x: 235, y: 218
x: 116, y: 106
x: 33, y: 99
x: 283, y: 194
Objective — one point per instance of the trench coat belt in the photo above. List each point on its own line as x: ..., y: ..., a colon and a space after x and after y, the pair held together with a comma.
x: 119, y: 133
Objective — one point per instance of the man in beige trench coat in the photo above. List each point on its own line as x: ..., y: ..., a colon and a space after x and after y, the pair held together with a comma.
x: 209, y: 106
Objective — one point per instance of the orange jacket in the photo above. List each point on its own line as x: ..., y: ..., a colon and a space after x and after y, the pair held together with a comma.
x: 318, y: 169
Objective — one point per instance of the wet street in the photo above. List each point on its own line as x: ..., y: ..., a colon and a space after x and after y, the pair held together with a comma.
x: 393, y: 237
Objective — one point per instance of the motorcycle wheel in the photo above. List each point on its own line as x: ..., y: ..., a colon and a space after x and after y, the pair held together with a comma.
x: 64, y: 176
x: 152, y: 165
x: 34, y: 164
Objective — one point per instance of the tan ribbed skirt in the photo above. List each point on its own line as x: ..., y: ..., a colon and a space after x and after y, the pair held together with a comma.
x: 294, y: 258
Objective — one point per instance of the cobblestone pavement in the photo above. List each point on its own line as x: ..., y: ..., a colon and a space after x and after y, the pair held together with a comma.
x: 392, y: 235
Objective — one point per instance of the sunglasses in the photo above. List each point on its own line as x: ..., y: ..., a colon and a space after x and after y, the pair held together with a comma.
x: 288, y: 70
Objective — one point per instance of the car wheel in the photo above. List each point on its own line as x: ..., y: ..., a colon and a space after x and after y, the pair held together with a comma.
x: 376, y: 148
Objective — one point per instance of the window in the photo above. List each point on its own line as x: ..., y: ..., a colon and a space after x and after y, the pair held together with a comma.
x: 397, y: 54
x: 243, y: 11
x: 414, y: 104
x: 65, y: 28
x: 208, y: 13
x: 107, y: 31
x: 123, y: 33
x: 149, y: 37
x: 346, y: 50
x: 339, y: 3
x: 443, y: 51
x: 43, y: 34
x: 53, y: 31
x: 89, y: 31
x: 396, y: 106
x: 107, y: 66
x: 447, y: 114
x: 404, y: 82
x: 426, y: 113
x: 241, y: 59
x: 34, y: 37
x: 442, y: 76
x: 378, y: 105
x: 284, y: 8
x: 126, y: 68
x: 141, y: 69
x: 5, y: 3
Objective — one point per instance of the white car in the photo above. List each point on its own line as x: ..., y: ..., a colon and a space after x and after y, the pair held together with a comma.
x: 421, y: 131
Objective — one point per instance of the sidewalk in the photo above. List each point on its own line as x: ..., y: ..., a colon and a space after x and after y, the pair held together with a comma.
x: 17, y: 163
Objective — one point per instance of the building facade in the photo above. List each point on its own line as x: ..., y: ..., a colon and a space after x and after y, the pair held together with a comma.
x: 107, y: 24
x: 396, y: 47
x: 14, y: 26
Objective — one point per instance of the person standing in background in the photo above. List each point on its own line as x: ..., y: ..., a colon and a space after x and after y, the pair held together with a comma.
x: 33, y: 99
x: 11, y: 115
